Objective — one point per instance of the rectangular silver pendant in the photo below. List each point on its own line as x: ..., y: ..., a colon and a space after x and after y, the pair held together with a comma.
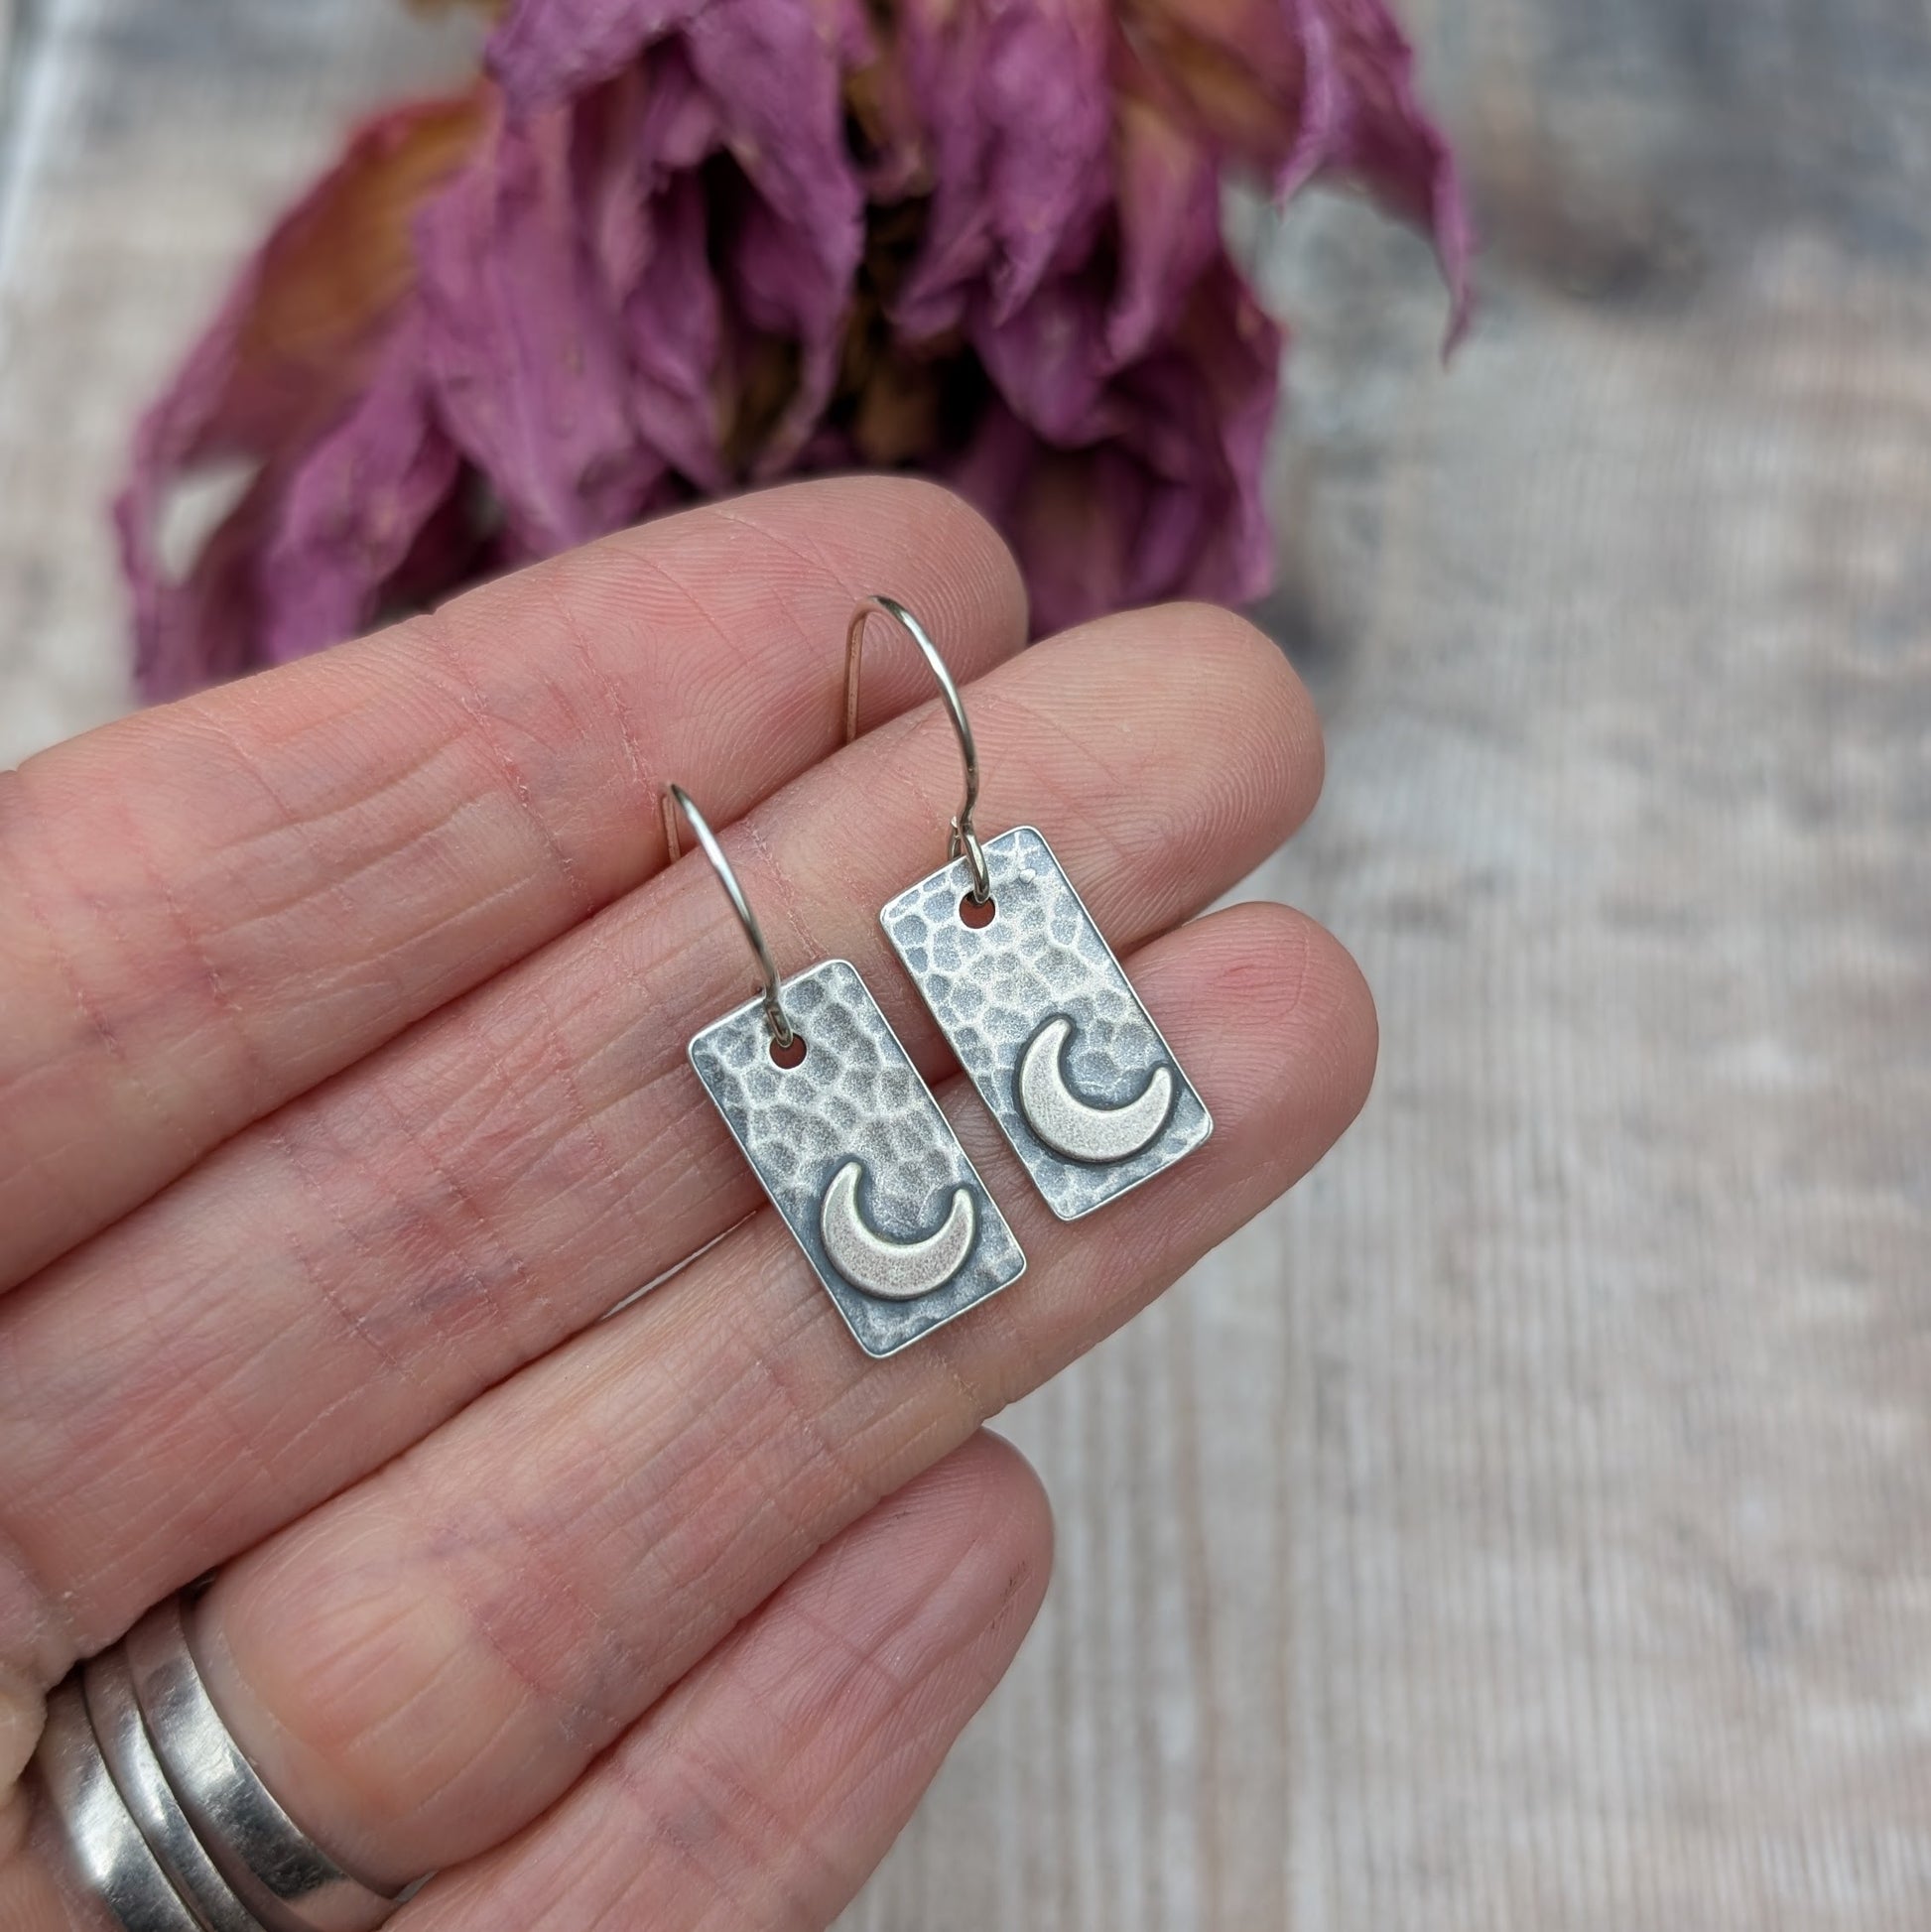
x: 1048, y: 1026
x: 859, y: 1159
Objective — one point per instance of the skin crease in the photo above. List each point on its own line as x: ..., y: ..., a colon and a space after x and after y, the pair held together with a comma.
x: 341, y: 1090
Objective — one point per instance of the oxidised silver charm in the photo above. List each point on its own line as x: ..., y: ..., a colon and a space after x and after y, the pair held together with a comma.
x: 1048, y: 1026
x: 858, y: 1157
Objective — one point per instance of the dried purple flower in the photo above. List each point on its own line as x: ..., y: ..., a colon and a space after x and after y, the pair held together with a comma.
x: 671, y: 247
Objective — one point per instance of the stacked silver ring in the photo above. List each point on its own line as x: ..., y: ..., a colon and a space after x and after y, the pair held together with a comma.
x: 165, y: 1818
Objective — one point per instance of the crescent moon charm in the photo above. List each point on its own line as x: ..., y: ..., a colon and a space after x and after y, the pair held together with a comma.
x: 895, y: 1271
x: 1076, y: 1128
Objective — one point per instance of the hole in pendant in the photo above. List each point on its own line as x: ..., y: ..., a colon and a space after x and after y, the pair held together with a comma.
x: 790, y: 1055
x: 977, y: 913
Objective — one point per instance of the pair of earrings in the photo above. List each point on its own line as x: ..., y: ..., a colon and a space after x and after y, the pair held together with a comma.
x: 845, y: 1136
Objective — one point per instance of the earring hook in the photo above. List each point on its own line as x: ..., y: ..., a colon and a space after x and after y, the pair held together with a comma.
x: 676, y: 799
x: 964, y: 840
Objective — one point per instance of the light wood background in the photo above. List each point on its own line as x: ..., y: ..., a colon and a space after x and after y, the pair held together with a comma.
x: 1528, y: 1524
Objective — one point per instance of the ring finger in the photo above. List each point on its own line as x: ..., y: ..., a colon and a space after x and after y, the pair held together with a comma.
x: 766, y: 1786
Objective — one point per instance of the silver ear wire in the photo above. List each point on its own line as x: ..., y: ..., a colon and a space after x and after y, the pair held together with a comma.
x: 676, y: 799
x: 964, y: 840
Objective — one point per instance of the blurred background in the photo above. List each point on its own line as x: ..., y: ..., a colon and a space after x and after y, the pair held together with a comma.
x: 1528, y: 1522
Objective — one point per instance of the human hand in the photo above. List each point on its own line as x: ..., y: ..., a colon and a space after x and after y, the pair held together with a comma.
x: 343, y: 1090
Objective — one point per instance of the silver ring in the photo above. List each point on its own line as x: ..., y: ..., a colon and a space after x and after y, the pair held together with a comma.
x: 676, y: 799
x: 164, y: 1820
x: 110, y: 1857
x: 286, y: 1879
x: 108, y: 1690
x: 964, y: 839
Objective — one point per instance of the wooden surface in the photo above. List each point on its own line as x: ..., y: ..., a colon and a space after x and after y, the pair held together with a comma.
x: 1528, y: 1524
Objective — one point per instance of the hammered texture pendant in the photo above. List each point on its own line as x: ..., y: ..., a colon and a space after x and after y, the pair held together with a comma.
x: 1047, y: 1026
x: 859, y: 1159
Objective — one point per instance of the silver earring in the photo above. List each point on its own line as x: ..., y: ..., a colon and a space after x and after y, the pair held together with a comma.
x: 1029, y: 994
x: 848, y: 1141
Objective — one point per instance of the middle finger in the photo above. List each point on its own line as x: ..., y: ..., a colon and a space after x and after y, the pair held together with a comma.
x: 346, y: 1274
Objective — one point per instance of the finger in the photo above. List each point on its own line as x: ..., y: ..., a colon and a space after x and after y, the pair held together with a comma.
x: 31, y: 1897
x: 425, y: 1662
x: 765, y: 1787
x: 212, y: 907
x: 341, y: 1278
x: 768, y: 1783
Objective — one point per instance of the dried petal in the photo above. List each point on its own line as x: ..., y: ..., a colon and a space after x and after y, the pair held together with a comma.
x: 1051, y: 360
x: 523, y: 337
x: 773, y: 74
x: 1169, y: 225
x: 347, y: 518
x: 1166, y: 497
x: 1300, y: 89
x: 1013, y: 94
x: 547, y: 51
x: 295, y: 343
x: 673, y: 327
x: 1378, y: 134
x: 200, y: 628
x: 1256, y: 76
x: 1068, y: 227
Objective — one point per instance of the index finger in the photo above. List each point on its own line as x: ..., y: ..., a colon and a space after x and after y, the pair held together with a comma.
x: 208, y: 909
